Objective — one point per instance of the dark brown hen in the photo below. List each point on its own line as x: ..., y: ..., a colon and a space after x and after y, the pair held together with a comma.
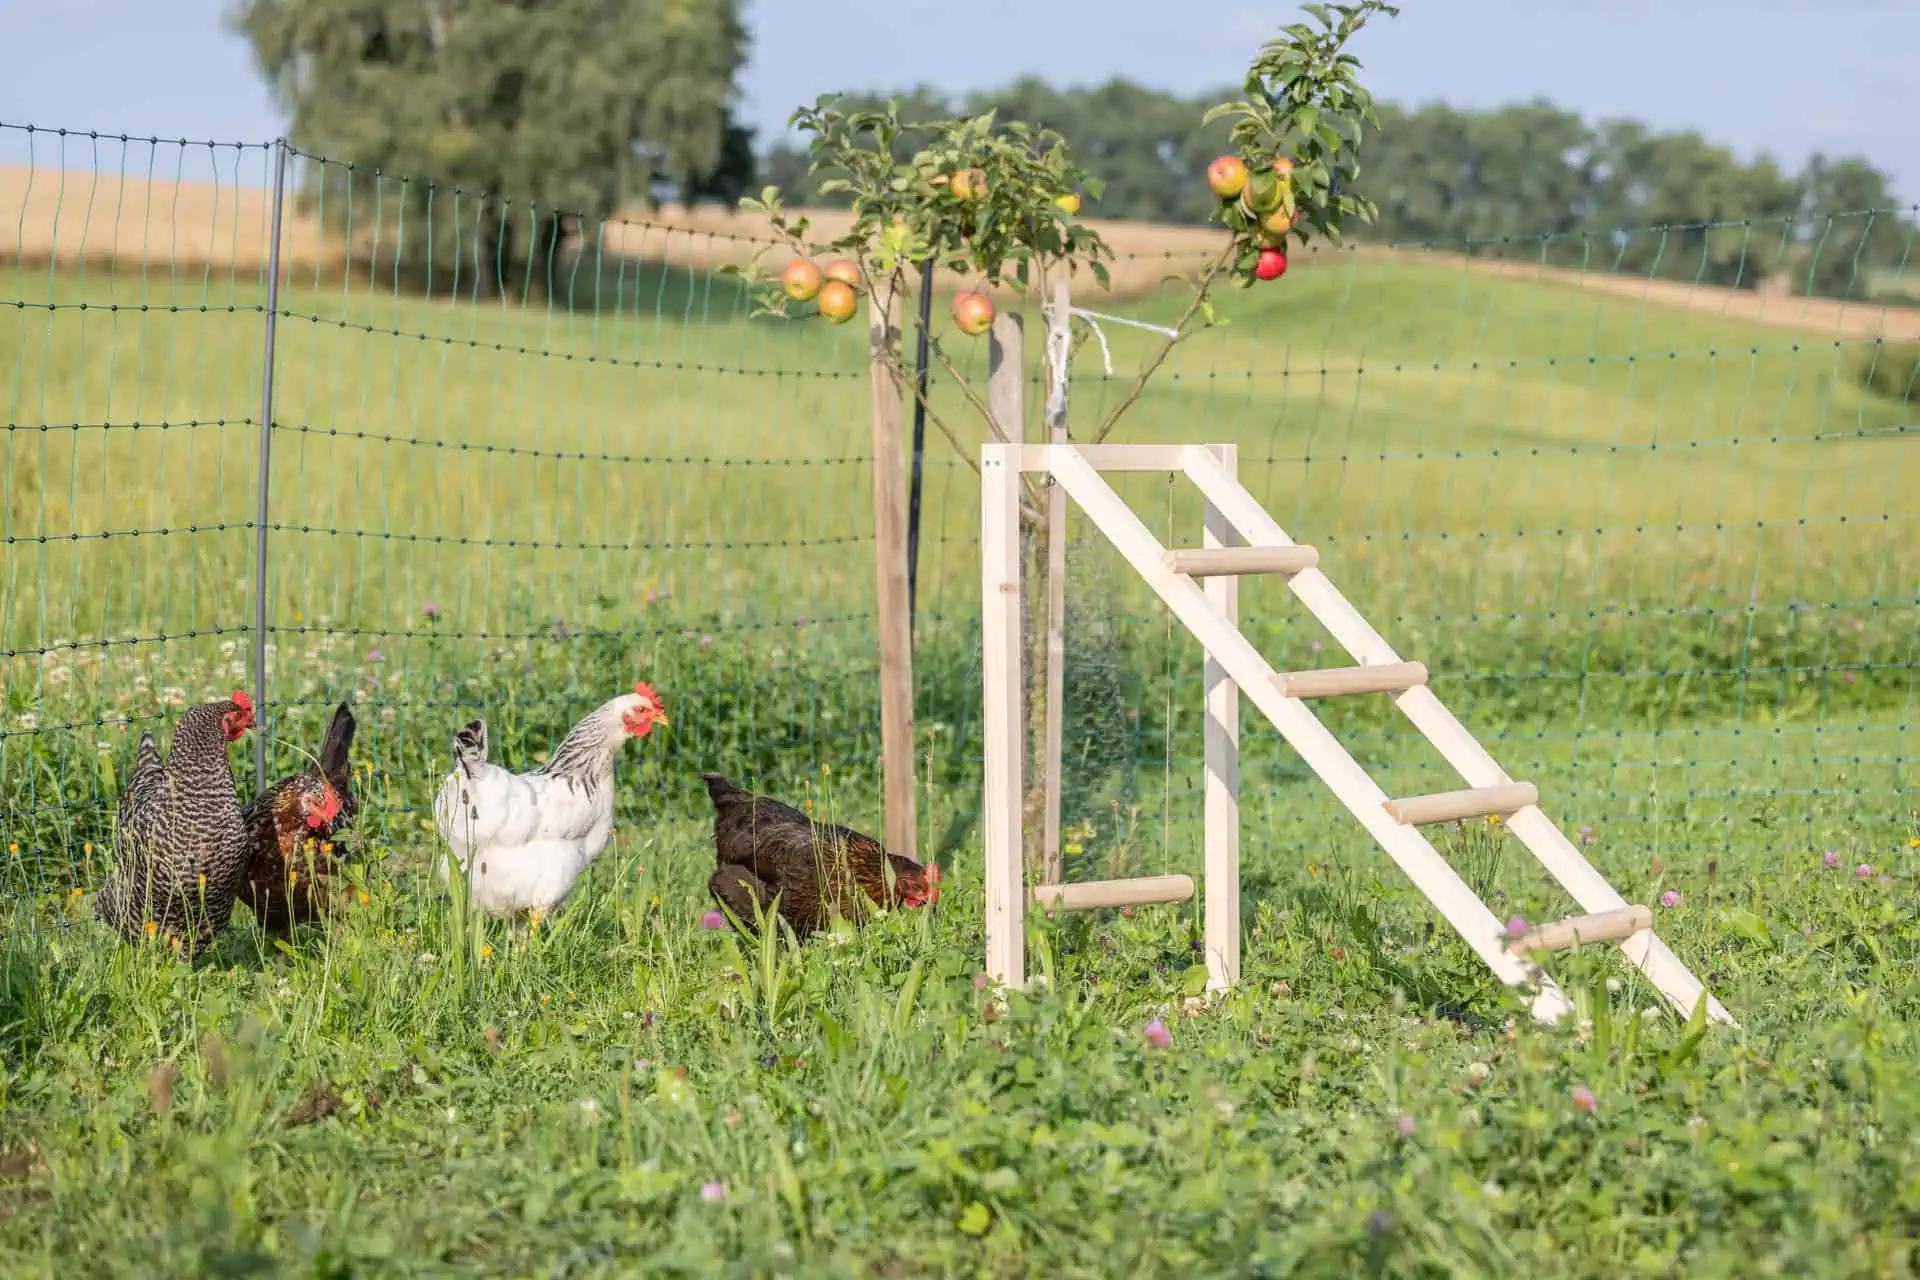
x: 292, y: 830
x: 766, y: 848
x: 179, y: 845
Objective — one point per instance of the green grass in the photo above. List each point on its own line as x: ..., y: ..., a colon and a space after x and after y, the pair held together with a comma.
x: 1657, y: 560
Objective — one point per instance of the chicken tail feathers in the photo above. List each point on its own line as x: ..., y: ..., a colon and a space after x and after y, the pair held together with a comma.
x: 720, y: 790
x: 470, y: 746
x: 334, y: 747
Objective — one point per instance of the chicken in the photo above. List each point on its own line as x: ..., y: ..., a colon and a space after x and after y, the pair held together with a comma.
x: 180, y: 848
x: 766, y: 848
x: 291, y: 830
x: 523, y: 839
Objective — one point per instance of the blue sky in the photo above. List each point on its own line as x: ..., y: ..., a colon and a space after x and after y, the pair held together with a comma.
x: 1755, y: 74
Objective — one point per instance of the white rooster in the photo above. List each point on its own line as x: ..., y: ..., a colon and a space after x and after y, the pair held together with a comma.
x: 524, y: 838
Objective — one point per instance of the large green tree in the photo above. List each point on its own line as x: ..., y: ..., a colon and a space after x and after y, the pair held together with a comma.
x: 514, y: 121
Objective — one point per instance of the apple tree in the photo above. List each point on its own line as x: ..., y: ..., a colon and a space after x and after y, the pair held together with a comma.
x: 996, y: 203
x: 991, y: 202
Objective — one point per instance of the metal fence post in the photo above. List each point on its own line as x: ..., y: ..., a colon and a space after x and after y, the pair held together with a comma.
x: 261, y: 503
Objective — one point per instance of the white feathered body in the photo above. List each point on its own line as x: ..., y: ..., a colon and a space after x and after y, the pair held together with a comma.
x: 524, y: 839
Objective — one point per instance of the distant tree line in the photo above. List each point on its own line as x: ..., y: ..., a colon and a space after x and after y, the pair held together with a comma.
x: 516, y: 125
x: 1529, y: 181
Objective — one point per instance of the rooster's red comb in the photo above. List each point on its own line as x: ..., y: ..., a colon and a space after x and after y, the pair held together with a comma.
x: 242, y: 701
x: 645, y: 690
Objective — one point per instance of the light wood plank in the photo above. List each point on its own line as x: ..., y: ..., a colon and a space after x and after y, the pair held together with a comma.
x: 894, y: 623
x: 1218, y: 561
x: 1604, y: 926
x: 1094, y: 895
x: 1453, y: 806
x: 1001, y: 799
x: 1330, y: 682
x: 1222, y: 759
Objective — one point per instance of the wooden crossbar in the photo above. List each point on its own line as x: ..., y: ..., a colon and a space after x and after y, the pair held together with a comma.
x: 1214, y: 562
x: 1091, y: 895
x: 1329, y: 682
x: 1601, y: 926
x: 1475, y: 802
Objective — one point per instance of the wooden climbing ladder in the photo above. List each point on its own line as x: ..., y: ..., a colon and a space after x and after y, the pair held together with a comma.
x: 1199, y: 585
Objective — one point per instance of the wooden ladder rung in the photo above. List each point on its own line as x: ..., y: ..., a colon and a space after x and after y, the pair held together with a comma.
x: 1220, y: 562
x: 1387, y: 677
x: 1091, y: 895
x: 1479, y: 802
x: 1616, y: 925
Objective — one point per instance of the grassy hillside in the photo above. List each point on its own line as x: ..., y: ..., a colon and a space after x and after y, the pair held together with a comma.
x: 1564, y: 503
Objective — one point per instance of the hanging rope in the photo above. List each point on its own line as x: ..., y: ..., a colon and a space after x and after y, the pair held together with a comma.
x: 1092, y: 318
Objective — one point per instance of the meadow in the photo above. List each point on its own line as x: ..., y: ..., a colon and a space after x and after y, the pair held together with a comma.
x: 1660, y: 559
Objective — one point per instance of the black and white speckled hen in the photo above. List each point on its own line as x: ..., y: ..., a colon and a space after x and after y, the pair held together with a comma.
x: 292, y: 827
x: 180, y: 848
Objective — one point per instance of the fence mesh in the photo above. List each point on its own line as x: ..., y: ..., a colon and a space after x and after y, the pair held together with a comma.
x: 1652, y: 538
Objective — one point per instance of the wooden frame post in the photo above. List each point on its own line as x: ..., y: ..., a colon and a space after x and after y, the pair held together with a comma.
x: 1002, y: 726
x: 1222, y: 750
x: 894, y: 622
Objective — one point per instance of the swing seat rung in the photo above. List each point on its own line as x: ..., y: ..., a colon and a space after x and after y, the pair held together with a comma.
x: 1329, y: 682
x: 1091, y: 895
x: 1478, y: 802
x: 1221, y: 562
x: 1603, y: 926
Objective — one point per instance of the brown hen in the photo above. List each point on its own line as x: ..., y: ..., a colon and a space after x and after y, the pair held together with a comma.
x: 770, y: 850
x: 292, y: 827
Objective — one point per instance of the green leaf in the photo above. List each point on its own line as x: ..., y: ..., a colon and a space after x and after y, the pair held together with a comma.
x: 1226, y: 109
x: 1746, y: 924
x: 1194, y: 981
x: 975, y: 1219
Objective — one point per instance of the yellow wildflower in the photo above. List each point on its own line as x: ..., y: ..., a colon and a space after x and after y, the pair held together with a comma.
x: 326, y: 846
x: 152, y: 928
x: 14, y: 849
x: 87, y: 847
x: 1493, y: 819
x: 363, y: 898
x: 486, y: 950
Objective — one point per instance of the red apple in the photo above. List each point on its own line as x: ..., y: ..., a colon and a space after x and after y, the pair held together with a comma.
x: 1271, y: 266
x: 845, y: 270
x: 800, y: 280
x: 973, y: 312
x: 1227, y: 175
x: 1284, y: 167
x: 838, y: 301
